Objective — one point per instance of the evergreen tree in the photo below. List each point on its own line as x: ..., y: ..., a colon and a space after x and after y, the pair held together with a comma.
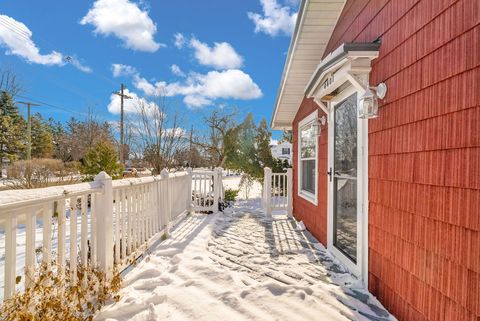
x: 263, y: 139
x: 101, y: 157
x: 248, y: 149
x: 12, y: 130
x: 42, y: 138
x: 286, y: 137
x: 241, y: 147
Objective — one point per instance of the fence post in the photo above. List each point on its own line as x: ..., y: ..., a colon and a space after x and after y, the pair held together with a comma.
x: 267, y: 190
x: 167, y: 206
x: 289, y: 192
x: 104, y: 223
x: 222, y: 190
x: 189, y: 190
x: 216, y: 187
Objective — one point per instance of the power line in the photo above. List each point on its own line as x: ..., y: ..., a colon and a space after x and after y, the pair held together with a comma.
x: 9, y: 24
x: 15, y: 31
x: 68, y: 110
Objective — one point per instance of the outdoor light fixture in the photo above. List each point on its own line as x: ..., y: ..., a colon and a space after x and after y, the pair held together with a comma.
x: 317, y: 125
x: 368, y: 104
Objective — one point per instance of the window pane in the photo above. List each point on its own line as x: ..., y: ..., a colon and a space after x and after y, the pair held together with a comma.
x: 346, y: 137
x: 346, y: 217
x: 307, y: 142
x: 308, y: 176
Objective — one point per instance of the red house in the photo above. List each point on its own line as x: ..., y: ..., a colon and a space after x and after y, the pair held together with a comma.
x: 394, y: 193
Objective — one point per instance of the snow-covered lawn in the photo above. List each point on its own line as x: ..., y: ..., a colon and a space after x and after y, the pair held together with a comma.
x: 239, y: 265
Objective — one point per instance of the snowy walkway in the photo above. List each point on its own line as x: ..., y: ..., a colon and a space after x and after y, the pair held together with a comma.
x: 241, y: 266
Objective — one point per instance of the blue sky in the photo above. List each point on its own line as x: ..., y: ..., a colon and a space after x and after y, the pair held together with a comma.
x: 200, y: 54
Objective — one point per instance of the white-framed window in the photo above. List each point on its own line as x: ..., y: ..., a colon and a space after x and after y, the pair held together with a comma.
x: 307, y: 158
x: 285, y: 151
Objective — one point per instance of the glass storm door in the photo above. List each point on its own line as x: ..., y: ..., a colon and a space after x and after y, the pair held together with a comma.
x: 345, y: 177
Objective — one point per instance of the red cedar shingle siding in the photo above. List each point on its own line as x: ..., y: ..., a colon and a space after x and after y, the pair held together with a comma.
x: 424, y: 156
x: 314, y: 217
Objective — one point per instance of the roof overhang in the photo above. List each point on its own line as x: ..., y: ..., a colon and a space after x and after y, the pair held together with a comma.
x: 315, y: 24
x: 349, y: 64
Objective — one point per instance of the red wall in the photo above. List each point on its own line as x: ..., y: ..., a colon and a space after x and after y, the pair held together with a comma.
x: 424, y: 155
x: 314, y: 217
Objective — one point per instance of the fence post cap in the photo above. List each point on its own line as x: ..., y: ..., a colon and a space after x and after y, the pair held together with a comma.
x: 164, y: 173
x: 102, y: 176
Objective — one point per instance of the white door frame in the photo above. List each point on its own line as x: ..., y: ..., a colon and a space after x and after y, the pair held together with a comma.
x: 360, y: 269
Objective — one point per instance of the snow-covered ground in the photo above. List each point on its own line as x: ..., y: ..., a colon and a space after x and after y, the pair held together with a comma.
x: 233, y: 182
x: 239, y: 265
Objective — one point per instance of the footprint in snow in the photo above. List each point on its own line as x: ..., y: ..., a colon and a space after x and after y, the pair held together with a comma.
x: 175, y: 259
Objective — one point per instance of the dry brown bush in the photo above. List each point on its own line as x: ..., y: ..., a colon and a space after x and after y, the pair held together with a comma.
x: 42, y: 172
x: 57, y: 296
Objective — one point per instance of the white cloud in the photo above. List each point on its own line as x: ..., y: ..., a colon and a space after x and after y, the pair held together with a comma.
x: 177, y: 71
x: 202, y: 89
x: 145, y: 86
x: 176, y: 132
x: 196, y: 101
x: 77, y: 64
x: 125, y: 20
x: 131, y: 106
x: 276, y: 19
x: 221, y: 56
x: 179, y: 40
x: 119, y: 70
x: 16, y: 37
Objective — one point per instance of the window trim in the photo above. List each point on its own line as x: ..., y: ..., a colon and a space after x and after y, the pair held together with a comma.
x: 312, y: 198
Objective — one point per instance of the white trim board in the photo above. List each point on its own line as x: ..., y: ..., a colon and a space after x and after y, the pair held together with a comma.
x: 303, y: 194
x: 360, y: 268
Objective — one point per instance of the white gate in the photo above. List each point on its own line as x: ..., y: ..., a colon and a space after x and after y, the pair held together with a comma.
x: 207, y: 190
x: 277, y: 192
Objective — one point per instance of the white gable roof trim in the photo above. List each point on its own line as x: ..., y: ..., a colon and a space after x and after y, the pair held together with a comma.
x: 315, y: 24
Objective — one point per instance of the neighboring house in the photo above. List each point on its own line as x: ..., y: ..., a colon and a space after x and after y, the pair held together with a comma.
x: 282, y: 151
x: 397, y: 197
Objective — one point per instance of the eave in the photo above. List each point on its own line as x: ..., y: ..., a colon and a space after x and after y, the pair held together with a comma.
x: 315, y: 24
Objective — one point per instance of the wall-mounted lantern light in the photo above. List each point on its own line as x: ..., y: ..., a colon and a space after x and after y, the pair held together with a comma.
x: 368, y: 104
x: 317, y: 125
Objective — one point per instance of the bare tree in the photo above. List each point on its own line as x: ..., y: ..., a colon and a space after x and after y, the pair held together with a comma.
x: 156, y: 134
x: 78, y: 136
x: 219, y: 123
x: 9, y: 82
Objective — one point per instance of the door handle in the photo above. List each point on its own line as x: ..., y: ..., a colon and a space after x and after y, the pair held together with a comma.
x: 330, y: 173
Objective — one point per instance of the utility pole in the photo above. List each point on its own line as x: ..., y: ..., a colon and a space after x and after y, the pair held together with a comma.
x: 122, y: 97
x: 29, y: 127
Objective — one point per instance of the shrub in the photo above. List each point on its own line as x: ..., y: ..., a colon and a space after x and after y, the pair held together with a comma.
x: 246, y: 182
x: 42, y: 172
x: 57, y: 296
x: 101, y: 157
x: 231, y: 195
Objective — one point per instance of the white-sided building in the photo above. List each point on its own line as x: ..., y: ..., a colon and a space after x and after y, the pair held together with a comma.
x: 282, y: 151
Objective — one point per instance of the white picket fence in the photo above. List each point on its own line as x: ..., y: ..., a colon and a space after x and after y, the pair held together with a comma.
x: 104, y: 223
x: 277, y: 192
